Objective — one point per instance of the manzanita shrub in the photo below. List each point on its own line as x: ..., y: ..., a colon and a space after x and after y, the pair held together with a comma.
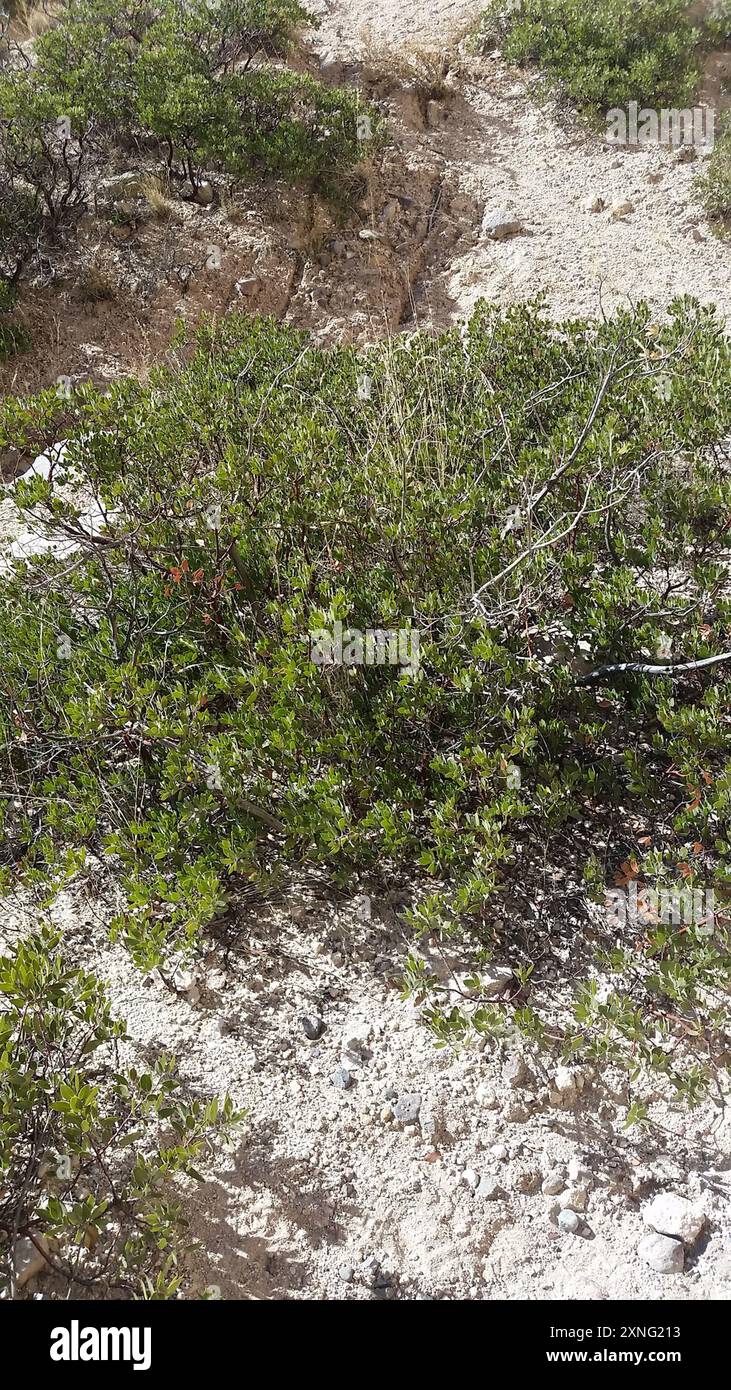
x: 714, y: 185
x: 13, y: 338
x: 91, y: 1149
x: 609, y: 53
x: 534, y: 500
x: 192, y: 84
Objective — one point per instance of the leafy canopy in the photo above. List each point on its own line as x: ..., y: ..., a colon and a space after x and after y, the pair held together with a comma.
x: 532, y: 498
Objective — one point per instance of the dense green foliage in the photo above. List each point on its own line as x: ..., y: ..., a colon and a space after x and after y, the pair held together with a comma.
x: 715, y: 184
x: 528, y: 497
x: 89, y: 1148
x: 190, y: 84
x: 13, y: 337
x: 608, y: 53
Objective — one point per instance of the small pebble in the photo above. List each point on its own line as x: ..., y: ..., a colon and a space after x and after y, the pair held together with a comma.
x: 312, y: 1026
x: 553, y: 1183
x: 407, y: 1107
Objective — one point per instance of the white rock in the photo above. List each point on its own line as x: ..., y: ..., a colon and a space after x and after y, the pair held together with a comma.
x: 565, y: 1085
x: 495, y: 979
x: 662, y: 1254
x: 498, y: 225
x: 579, y: 1174
x: 489, y: 1188
x: 485, y: 1095
x: 569, y: 1221
x: 671, y: 1215
x: 621, y: 210
x: 357, y: 1035
x: 471, y: 1178
x: 204, y: 193
x: 41, y: 467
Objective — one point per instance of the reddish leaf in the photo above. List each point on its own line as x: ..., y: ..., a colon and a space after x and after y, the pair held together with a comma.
x: 627, y: 873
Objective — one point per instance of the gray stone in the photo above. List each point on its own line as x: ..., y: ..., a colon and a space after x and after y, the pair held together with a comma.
x: 498, y: 225
x: 515, y: 1071
x: 569, y: 1221
x: 662, y: 1254
x: 345, y: 1274
x: 573, y: 1199
x: 371, y: 1270
x: 434, y: 114
x: 342, y: 1079
x: 312, y: 1026
x: 553, y: 1183
x: 204, y: 193
x: 407, y: 1107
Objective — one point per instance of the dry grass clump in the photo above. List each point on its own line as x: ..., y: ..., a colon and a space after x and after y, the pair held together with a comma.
x: 95, y: 285
x: 156, y: 192
x: 408, y: 65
